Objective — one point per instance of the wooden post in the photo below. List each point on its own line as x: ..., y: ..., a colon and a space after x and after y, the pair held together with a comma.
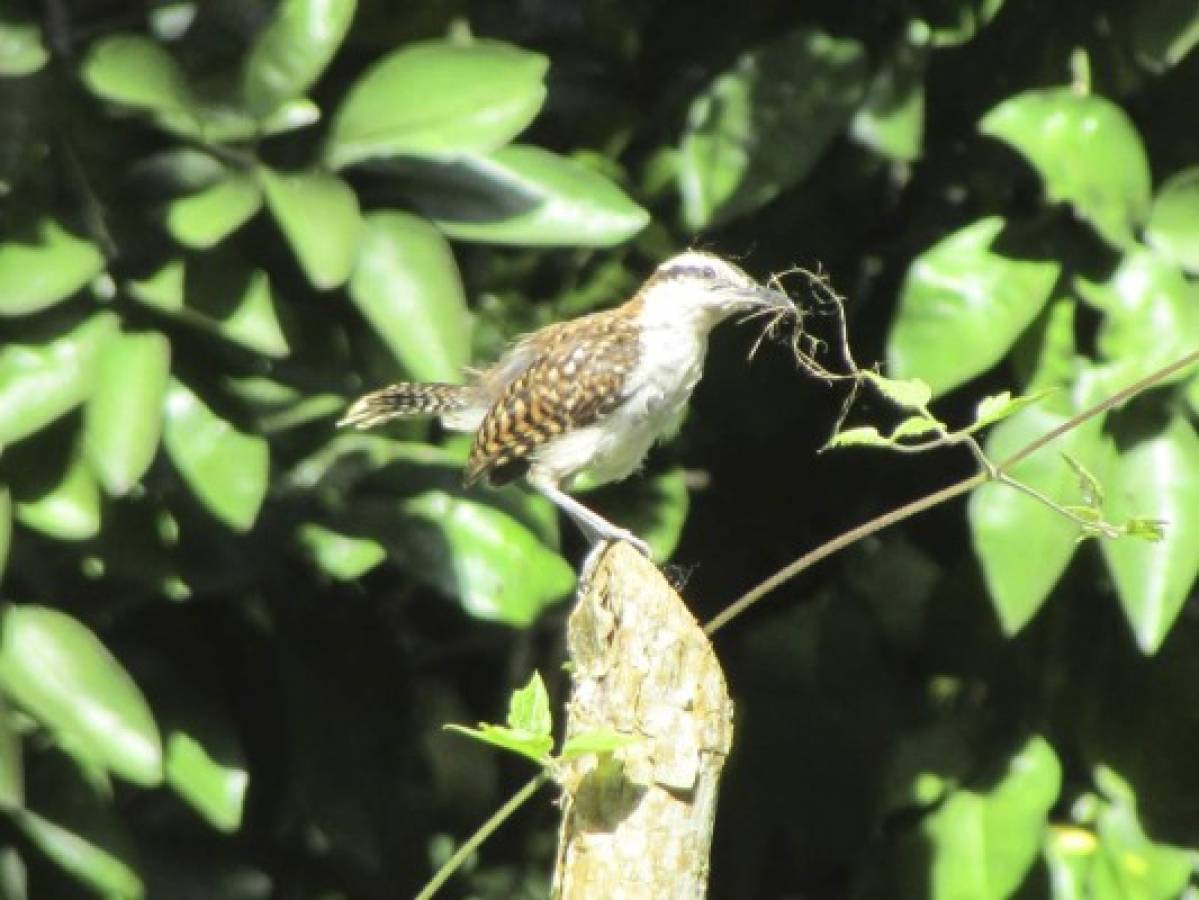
x: 638, y: 823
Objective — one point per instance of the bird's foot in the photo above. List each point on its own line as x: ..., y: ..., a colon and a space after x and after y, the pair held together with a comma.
x: 615, y: 534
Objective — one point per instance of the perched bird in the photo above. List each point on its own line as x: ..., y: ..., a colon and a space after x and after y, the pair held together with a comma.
x: 589, y: 395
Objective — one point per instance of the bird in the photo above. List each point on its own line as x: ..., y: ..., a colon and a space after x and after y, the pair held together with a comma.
x: 588, y: 395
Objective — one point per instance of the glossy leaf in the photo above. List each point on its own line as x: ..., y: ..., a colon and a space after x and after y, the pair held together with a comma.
x: 82, y: 859
x: 1156, y: 477
x: 293, y: 50
x: 1150, y: 315
x: 1005, y: 523
x: 497, y: 568
x: 438, y: 97
x: 1173, y: 227
x: 203, y: 220
x: 760, y: 127
x: 57, y: 670
x: 39, y: 270
x: 526, y: 196
x: 22, y: 51
x: 406, y: 285
x: 984, y: 840
x: 1087, y: 152
x: 67, y: 509
x: 123, y: 417
x: 1163, y: 33
x: 136, y: 71
x: 215, y: 790
x: 962, y: 293
x: 224, y: 468
x: 318, y: 213
x: 339, y: 555
x: 220, y: 295
x: 38, y: 383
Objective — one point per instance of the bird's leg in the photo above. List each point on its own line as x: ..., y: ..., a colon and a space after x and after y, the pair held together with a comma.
x: 594, y: 526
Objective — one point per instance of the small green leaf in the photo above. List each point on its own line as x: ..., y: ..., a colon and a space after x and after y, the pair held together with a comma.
x: 1157, y: 477
x: 79, y: 857
x: 67, y: 509
x: 123, y: 418
x: 438, y: 97
x: 862, y: 436
x: 529, y: 708
x: 916, y: 426
x: 215, y: 790
x: 57, y: 670
x: 760, y: 127
x: 341, y: 556
x: 203, y: 220
x: 291, y: 115
x: 962, y: 293
x: 293, y: 50
x: 318, y: 213
x: 525, y: 196
x: 599, y: 741
x: 225, y: 469
x: 39, y: 270
x: 1173, y: 227
x: 135, y: 71
x: 1088, y: 485
x: 1087, y: 152
x: 22, y: 51
x: 406, y: 284
x: 1152, y: 530
x: 1002, y: 406
x: 536, y: 747
x: 909, y: 393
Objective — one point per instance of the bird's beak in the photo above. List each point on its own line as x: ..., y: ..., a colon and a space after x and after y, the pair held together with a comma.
x: 768, y: 298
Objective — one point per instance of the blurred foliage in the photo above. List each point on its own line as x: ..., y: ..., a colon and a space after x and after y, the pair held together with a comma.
x: 230, y: 634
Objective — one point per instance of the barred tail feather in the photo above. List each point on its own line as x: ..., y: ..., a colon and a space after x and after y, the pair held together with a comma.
x: 406, y: 400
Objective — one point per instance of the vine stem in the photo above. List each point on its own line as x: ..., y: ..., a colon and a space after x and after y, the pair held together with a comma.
x: 908, y: 510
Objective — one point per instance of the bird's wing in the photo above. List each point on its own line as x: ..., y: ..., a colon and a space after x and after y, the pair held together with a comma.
x: 574, y: 376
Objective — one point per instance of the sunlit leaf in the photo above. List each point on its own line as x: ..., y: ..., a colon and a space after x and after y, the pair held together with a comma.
x: 1173, y: 226
x: 41, y: 268
x: 525, y: 196
x: 1156, y: 477
x: 761, y: 126
x: 79, y: 857
x: 916, y: 426
x: 123, y: 417
x: 438, y: 97
x: 225, y: 469
x: 67, y: 508
x: 342, y: 556
x: 57, y: 670
x: 318, y: 213
x: 1087, y: 152
x: 963, y: 293
x: 891, y: 119
x: 406, y: 284
x: 600, y: 741
x: 1002, y: 406
x: 911, y: 393
x: 217, y: 791
x: 529, y: 707
x: 22, y: 51
x: 292, y: 51
x: 861, y: 436
x: 536, y: 747
x: 202, y: 220
x: 136, y: 71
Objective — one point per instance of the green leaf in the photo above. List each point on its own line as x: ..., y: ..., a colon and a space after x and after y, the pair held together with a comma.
x: 916, y: 426
x: 598, y: 742
x: 406, y: 285
x: 760, y: 127
x: 1087, y: 152
x: 291, y: 115
x: 525, y: 196
x: 1003, y: 406
x: 1157, y: 477
x: 39, y: 270
x: 215, y: 790
x: 339, y: 555
x: 67, y: 509
x: 907, y: 393
x: 497, y: 567
x: 79, y: 857
x: 6, y: 514
x: 1150, y: 316
x: 536, y: 747
x: 529, y: 708
x: 12, y: 761
x: 984, y: 840
x: 225, y: 469
x: 204, y: 219
x: 293, y: 50
x: 318, y: 213
x: 136, y: 71
x: 438, y: 97
x: 1163, y: 33
x: 22, y: 51
x: 123, y: 419
x: 891, y: 119
x: 1173, y: 227
x: 41, y: 382
x: 862, y: 436
x: 963, y: 305
x: 57, y: 670
x: 952, y: 23
x: 1005, y: 523
x: 218, y: 294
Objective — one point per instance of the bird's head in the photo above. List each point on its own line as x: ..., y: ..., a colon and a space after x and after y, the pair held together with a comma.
x: 707, y: 289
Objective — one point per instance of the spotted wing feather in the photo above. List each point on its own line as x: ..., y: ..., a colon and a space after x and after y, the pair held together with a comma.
x: 576, y: 374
